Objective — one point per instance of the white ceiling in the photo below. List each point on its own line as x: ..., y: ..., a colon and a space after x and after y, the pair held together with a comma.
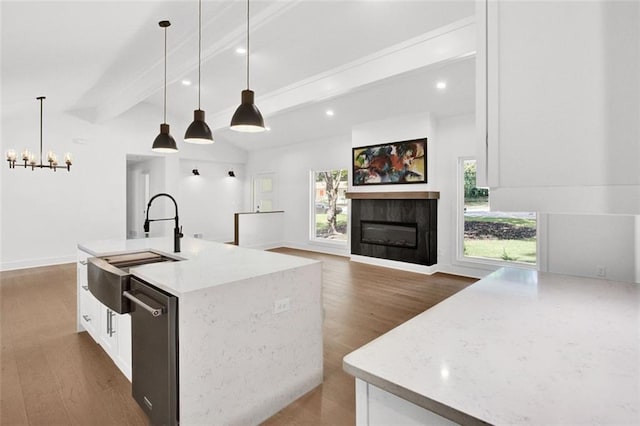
x: 99, y: 59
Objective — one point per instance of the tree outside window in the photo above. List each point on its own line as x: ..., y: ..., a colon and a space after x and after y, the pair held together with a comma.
x: 329, y: 211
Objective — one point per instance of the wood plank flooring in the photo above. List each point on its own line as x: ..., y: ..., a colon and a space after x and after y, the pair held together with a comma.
x: 51, y: 375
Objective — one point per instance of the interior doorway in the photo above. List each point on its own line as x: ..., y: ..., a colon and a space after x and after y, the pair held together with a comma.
x: 145, y: 176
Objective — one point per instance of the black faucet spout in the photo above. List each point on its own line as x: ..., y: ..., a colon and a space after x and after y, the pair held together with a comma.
x: 177, y: 231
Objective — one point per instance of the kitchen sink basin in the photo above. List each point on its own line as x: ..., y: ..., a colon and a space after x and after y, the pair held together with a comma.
x: 109, y: 276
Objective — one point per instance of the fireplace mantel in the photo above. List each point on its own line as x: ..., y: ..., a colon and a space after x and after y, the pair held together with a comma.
x: 398, y: 195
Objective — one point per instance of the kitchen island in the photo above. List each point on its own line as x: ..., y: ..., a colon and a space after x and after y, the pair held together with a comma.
x: 249, y: 325
x: 517, y: 347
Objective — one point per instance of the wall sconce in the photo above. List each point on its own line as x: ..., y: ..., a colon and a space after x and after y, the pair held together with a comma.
x: 231, y: 173
x: 195, y: 172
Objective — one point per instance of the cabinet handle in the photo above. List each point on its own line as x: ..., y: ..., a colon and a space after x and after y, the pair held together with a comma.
x: 87, y: 318
x: 155, y: 312
x: 83, y: 262
x: 112, y: 331
x: 108, y: 322
x: 85, y: 287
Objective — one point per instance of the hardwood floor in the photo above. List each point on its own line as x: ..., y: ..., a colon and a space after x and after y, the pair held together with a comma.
x: 52, y: 375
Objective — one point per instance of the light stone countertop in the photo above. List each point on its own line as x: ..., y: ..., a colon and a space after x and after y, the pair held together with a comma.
x: 206, y: 264
x: 517, y: 347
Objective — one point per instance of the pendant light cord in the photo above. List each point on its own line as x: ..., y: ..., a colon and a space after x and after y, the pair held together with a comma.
x: 199, y: 46
x: 165, y: 75
x: 247, y: 44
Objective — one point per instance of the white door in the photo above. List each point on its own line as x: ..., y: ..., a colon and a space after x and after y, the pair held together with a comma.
x: 264, y: 192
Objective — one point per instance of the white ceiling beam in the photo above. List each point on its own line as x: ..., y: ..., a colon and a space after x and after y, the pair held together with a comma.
x: 453, y: 41
x: 138, y: 88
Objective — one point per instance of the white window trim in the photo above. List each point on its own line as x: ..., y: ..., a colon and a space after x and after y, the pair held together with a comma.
x: 480, y: 262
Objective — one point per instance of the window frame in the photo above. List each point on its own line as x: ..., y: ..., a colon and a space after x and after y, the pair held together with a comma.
x: 484, y: 262
x: 312, y: 215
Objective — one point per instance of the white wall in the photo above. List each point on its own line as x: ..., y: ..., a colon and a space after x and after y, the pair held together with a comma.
x: 397, y: 129
x: 569, y: 244
x: 207, y: 202
x: 455, y: 138
x: 580, y: 244
x: 293, y: 163
x: 637, y: 251
x: 45, y: 214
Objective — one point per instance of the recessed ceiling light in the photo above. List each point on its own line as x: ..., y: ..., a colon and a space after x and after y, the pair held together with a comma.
x: 441, y: 85
x: 241, y: 50
x: 186, y: 82
x: 330, y: 112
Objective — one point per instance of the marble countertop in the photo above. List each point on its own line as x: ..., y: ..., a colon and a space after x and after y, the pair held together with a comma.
x: 206, y: 264
x: 517, y: 347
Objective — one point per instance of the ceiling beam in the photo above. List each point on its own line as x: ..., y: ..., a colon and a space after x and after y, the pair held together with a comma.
x: 142, y: 84
x: 454, y: 41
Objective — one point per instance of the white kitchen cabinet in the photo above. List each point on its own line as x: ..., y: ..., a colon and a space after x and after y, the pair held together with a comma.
x: 124, y: 344
x: 377, y: 407
x: 89, y: 312
x: 110, y: 330
x: 558, y: 105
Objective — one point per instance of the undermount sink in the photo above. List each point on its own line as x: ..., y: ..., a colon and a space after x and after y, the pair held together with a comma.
x: 126, y: 261
x: 109, y: 276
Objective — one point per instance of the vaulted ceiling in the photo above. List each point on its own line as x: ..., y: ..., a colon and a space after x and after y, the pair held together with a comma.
x: 364, y: 59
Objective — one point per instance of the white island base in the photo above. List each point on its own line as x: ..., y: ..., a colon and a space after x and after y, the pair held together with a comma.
x: 249, y: 326
x: 240, y: 362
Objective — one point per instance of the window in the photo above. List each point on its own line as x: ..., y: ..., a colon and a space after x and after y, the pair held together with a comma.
x: 329, y: 206
x: 496, y: 236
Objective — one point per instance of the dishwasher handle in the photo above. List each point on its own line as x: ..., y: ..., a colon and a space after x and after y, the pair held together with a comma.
x: 155, y: 312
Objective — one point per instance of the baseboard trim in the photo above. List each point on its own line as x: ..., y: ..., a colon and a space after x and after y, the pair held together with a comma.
x: 394, y: 264
x: 34, y: 263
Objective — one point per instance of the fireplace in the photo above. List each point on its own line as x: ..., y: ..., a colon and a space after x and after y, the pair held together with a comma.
x: 399, y: 226
x: 393, y: 234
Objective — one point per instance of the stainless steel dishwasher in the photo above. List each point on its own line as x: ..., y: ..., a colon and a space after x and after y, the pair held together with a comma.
x: 154, y: 339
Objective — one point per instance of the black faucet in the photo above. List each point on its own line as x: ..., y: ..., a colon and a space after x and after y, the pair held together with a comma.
x: 177, y: 231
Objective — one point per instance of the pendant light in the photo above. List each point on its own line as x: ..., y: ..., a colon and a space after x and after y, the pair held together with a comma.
x: 247, y: 117
x: 198, y: 132
x: 30, y: 160
x: 164, y: 142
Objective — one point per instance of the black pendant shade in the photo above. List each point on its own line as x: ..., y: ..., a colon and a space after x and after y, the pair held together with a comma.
x: 247, y: 117
x: 164, y: 142
x: 198, y: 131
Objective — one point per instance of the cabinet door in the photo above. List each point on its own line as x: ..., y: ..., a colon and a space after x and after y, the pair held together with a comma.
x: 559, y: 103
x: 87, y: 306
x: 109, y: 330
x: 124, y: 344
x: 89, y: 313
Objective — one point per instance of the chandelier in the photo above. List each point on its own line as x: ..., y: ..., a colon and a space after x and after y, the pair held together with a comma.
x: 30, y: 160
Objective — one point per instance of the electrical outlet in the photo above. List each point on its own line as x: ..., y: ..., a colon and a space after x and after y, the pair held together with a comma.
x: 601, y: 271
x: 281, y: 305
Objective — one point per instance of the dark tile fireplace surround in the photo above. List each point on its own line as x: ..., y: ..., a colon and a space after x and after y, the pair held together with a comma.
x: 401, y: 226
